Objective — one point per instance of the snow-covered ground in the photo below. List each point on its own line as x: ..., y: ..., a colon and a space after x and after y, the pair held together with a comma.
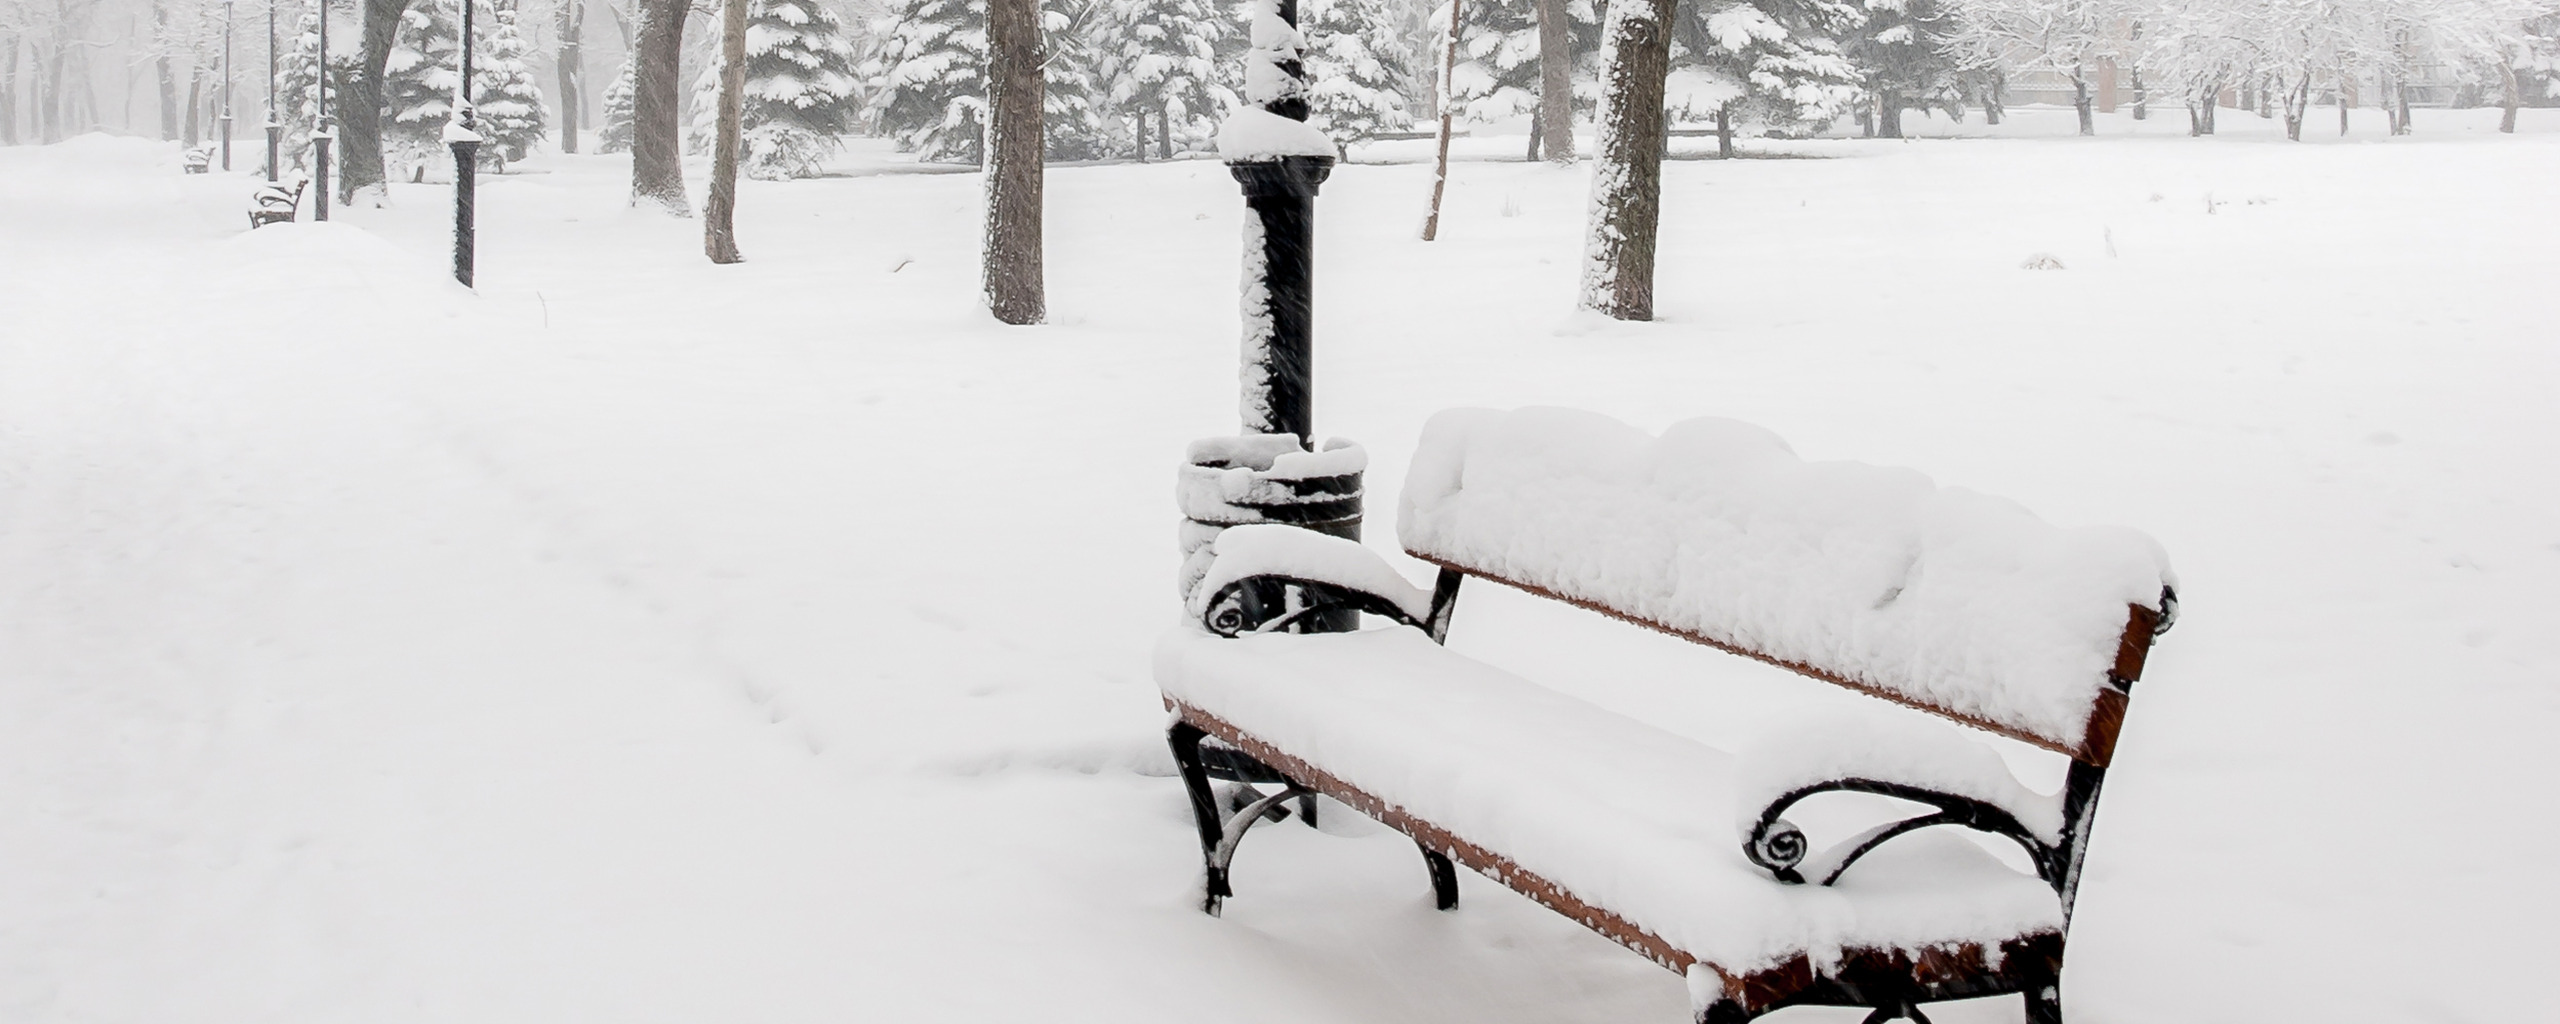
x: 643, y: 640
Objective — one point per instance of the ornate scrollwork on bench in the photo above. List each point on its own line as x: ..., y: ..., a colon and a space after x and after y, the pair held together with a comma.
x: 1288, y: 604
x: 1780, y: 847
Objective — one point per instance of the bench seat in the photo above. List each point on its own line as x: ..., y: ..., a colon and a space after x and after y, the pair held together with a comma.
x: 1619, y: 824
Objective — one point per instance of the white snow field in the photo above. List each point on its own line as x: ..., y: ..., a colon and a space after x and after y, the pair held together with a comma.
x: 643, y: 640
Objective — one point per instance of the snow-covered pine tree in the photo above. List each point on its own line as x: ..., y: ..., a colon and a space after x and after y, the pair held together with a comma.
x: 297, y: 74
x: 802, y: 90
x: 614, y: 135
x: 927, y: 83
x: 928, y: 80
x: 1074, y: 122
x: 1768, y: 65
x: 506, y: 103
x: 1497, y: 72
x: 417, y: 83
x: 1901, y: 49
x: 1159, y: 66
x: 1358, y: 68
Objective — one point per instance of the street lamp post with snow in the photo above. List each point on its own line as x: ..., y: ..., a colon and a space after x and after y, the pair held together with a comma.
x: 462, y: 135
x: 1280, y: 160
x: 1274, y: 472
x: 321, y: 134
x: 275, y: 128
x: 226, y: 85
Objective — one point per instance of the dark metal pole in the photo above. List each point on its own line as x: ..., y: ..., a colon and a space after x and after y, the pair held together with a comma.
x: 463, y: 136
x: 321, y: 135
x: 1280, y: 191
x: 1280, y: 183
x: 275, y: 129
x: 226, y: 85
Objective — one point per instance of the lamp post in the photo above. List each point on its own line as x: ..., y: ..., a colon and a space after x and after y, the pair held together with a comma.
x: 275, y: 129
x: 1280, y: 161
x: 463, y: 136
x: 226, y: 85
x: 321, y: 136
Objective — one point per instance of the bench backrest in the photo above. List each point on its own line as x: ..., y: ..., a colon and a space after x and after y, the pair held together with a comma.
x: 1871, y: 577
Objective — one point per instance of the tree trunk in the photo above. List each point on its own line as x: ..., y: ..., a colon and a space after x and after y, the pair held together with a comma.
x: 1535, y: 128
x: 1448, y: 112
x: 573, y: 19
x: 2342, y: 113
x: 9, y: 90
x: 1555, y: 82
x: 1724, y: 130
x: 1626, y: 183
x: 168, y: 77
x: 2511, y: 98
x: 194, y: 130
x: 657, y: 163
x: 2141, y: 98
x: 1994, y: 105
x: 1012, y: 275
x: 359, y: 156
x: 1141, y: 119
x: 2297, y: 107
x: 1164, y: 133
x: 2080, y: 101
x: 720, y: 208
x: 2400, y: 107
x: 1888, y: 113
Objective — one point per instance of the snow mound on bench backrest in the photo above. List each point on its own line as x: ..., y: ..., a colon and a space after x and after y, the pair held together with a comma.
x: 1946, y: 597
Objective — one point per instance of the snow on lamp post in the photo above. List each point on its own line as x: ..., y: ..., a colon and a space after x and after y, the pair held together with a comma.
x: 459, y: 134
x: 321, y: 136
x: 1271, y: 474
x: 275, y: 129
x: 226, y: 85
x: 1280, y: 160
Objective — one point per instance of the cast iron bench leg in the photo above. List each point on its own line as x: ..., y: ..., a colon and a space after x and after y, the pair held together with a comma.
x: 1444, y: 878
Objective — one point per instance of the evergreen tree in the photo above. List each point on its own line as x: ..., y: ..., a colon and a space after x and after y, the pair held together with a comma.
x: 506, y: 104
x: 614, y: 136
x: 928, y: 80
x: 801, y: 92
x: 417, y: 81
x: 1901, y: 51
x: 1357, y: 68
x: 296, y: 76
x: 1159, y: 64
x: 1073, y: 125
x: 1497, y: 72
x: 1776, y: 65
x: 801, y: 79
x: 424, y: 63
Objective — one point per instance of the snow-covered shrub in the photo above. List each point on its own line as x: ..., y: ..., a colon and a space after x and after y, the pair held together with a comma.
x: 778, y: 150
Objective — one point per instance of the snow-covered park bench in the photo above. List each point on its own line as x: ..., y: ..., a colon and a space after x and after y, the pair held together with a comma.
x: 198, y: 159
x: 1939, y: 599
x: 276, y: 202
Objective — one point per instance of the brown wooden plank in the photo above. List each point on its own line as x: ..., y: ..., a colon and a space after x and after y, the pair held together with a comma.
x: 1956, y: 970
x: 2098, y: 739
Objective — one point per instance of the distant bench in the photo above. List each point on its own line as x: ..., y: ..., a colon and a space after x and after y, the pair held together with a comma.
x: 276, y: 202
x: 1951, y: 602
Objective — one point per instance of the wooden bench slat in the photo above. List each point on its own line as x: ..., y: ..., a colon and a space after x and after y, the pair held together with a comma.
x: 1948, y: 972
x: 2097, y: 745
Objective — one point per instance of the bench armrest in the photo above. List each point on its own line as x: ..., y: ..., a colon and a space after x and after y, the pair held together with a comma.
x: 1271, y: 578
x: 1962, y: 781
